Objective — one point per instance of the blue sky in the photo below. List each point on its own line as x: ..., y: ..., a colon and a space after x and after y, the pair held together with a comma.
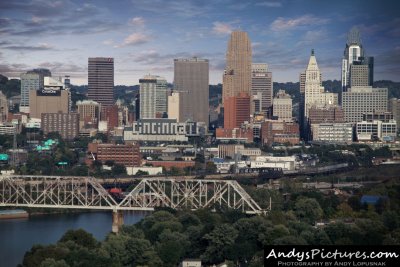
x: 144, y: 36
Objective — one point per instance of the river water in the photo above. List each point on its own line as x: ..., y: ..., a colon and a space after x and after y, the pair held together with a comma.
x: 18, y: 235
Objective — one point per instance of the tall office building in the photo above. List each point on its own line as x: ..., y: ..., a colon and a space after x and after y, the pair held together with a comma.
x: 282, y: 106
x: 394, y: 108
x: 191, y: 80
x: 314, y: 93
x: 357, y: 69
x: 3, y: 107
x: 261, y: 82
x: 237, y: 74
x: 101, y: 80
x: 237, y: 110
x: 89, y: 113
x: 174, y: 106
x: 29, y: 82
x: 153, y: 97
x: 52, y: 98
x: 361, y: 100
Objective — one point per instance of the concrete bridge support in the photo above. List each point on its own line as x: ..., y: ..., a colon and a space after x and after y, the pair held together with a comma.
x: 117, y: 220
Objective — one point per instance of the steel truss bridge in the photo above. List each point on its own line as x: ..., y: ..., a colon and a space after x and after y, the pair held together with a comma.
x: 67, y: 192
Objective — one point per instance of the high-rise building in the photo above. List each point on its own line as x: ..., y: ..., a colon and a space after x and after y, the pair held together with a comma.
x: 236, y: 110
x: 174, y: 105
x: 282, y: 106
x: 314, y: 93
x: 29, y: 82
x: 357, y: 69
x: 89, y: 113
x: 394, y: 107
x: 3, y: 107
x: 153, y: 97
x: 261, y: 82
x: 237, y: 74
x: 66, y: 124
x: 52, y: 98
x: 359, y: 74
x: 361, y: 100
x: 101, y: 80
x: 191, y: 79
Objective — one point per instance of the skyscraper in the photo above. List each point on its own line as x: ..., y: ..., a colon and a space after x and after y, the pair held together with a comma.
x: 282, y: 106
x: 153, y: 97
x: 3, y: 107
x: 261, y: 82
x: 29, y: 82
x: 101, y: 80
x: 357, y: 69
x: 237, y: 110
x: 236, y: 80
x: 361, y: 100
x: 237, y: 74
x: 191, y: 79
x: 314, y: 93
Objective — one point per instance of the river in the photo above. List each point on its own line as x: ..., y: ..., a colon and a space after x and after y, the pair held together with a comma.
x: 18, y: 235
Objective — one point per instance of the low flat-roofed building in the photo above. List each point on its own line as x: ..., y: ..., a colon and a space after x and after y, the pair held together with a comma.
x: 332, y: 132
x: 376, y: 130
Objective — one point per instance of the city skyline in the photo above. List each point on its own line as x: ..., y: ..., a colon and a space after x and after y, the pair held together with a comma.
x: 146, y: 36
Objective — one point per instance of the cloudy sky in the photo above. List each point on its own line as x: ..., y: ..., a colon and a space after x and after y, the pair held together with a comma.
x: 144, y: 36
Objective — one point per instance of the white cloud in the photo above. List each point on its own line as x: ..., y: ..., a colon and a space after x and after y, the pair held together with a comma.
x: 269, y: 4
x: 45, y: 46
x: 221, y: 28
x: 282, y: 24
x: 37, y: 20
x: 137, y: 21
x: 135, y: 39
x: 312, y: 37
x: 108, y: 42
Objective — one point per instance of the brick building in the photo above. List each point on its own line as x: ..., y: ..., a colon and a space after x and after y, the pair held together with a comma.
x: 330, y: 114
x: 127, y: 155
x: 238, y: 134
x: 66, y: 124
x: 273, y: 131
x: 236, y: 110
x: 169, y: 164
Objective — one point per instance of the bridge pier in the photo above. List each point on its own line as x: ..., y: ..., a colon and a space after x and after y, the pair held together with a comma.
x: 117, y: 220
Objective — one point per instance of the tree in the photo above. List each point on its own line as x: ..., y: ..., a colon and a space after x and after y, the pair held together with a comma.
x: 80, y: 237
x: 53, y: 263
x: 141, y: 253
x: 308, y: 209
x: 220, y: 241
x: 171, y: 247
x: 38, y: 254
x: 118, y: 169
x: 116, y: 248
x: 211, y: 167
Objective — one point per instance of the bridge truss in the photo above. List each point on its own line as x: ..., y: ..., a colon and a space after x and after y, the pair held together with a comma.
x: 147, y: 193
